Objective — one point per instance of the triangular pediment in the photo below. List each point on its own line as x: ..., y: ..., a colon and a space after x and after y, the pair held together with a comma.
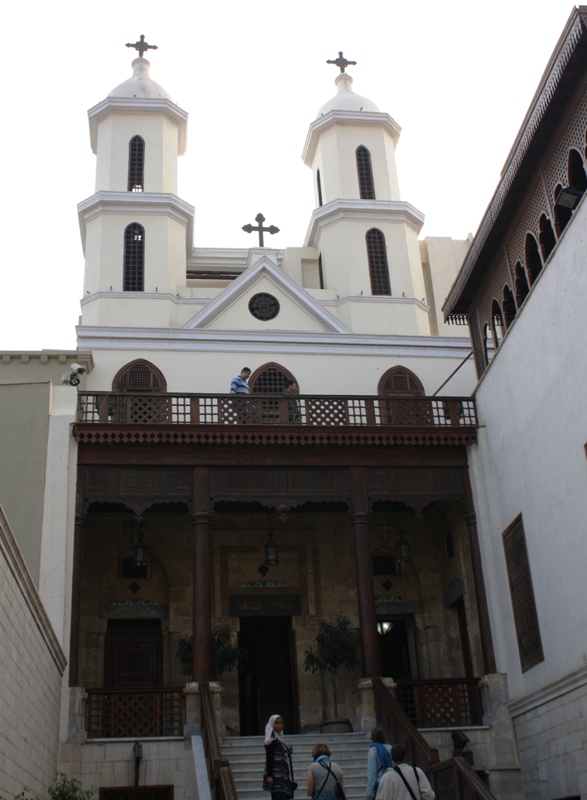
x: 298, y: 310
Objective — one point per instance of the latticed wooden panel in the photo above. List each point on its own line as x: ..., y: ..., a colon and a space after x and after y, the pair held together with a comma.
x: 139, y: 377
x: 441, y: 704
x: 445, y: 786
x: 237, y: 410
x: 139, y: 409
x: 572, y: 135
x: 134, y: 713
x: 535, y: 204
x: 326, y: 411
x: 407, y: 412
x: 522, y: 591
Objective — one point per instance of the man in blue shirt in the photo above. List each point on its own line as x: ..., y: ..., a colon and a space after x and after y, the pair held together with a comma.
x: 239, y: 384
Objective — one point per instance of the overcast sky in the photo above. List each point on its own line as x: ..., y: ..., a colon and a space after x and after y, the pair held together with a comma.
x: 457, y: 77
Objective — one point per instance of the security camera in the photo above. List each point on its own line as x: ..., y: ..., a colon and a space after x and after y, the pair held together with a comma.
x: 78, y: 368
x: 70, y: 379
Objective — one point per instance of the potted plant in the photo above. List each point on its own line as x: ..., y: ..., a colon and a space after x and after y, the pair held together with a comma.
x: 337, y: 646
x: 226, y: 656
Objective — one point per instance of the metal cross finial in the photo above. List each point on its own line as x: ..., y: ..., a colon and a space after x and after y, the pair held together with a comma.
x: 260, y: 219
x: 341, y: 61
x: 142, y: 45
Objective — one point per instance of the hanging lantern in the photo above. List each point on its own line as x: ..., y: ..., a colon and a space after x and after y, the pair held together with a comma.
x: 402, y: 550
x: 140, y: 554
x: 271, y: 551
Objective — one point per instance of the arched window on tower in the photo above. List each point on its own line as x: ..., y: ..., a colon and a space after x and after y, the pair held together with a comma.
x: 270, y: 379
x: 509, y: 306
x: 136, y: 164
x: 134, y: 258
x: 319, y: 185
x: 532, y: 255
x: 378, y: 266
x: 365, y: 173
x: 546, y: 237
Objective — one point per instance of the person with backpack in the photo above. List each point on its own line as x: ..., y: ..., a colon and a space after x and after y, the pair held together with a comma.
x: 378, y: 761
x: 404, y: 782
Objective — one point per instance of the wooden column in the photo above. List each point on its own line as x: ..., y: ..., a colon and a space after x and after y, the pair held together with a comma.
x: 76, y: 580
x: 371, y: 658
x: 202, y: 578
x: 480, y: 593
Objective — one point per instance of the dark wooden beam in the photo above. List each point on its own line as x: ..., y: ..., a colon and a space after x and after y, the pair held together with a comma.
x: 202, y: 572
x: 76, y: 581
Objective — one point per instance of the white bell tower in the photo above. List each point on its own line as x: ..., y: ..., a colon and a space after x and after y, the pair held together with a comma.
x: 367, y: 237
x: 136, y: 232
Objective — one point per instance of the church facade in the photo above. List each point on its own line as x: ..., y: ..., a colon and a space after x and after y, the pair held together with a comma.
x: 373, y: 491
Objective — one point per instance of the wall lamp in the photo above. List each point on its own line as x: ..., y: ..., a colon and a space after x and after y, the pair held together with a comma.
x: 568, y: 198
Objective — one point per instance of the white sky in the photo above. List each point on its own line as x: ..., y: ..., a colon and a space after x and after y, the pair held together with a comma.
x: 457, y: 75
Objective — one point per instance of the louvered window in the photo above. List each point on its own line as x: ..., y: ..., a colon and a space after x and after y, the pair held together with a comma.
x: 139, y: 376
x: 378, y: 268
x: 136, y: 164
x: 523, y: 602
x: 365, y: 173
x: 134, y: 258
x: 398, y: 381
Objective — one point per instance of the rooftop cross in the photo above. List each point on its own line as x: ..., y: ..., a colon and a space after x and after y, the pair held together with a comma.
x: 142, y: 45
x: 260, y: 219
x: 341, y: 61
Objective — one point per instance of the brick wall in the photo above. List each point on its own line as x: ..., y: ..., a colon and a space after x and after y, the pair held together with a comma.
x: 31, y: 668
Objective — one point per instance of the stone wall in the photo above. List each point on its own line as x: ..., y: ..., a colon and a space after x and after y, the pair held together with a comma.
x: 31, y: 670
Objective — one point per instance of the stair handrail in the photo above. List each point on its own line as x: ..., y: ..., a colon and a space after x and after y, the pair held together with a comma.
x: 388, y: 710
x: 220, y: 773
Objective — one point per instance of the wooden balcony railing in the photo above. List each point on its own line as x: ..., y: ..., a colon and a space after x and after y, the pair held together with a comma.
x: 219, y: 771
x: 455, y: 779
x: 110, y: 408
x: 451, y: 702
x: 119, y: 713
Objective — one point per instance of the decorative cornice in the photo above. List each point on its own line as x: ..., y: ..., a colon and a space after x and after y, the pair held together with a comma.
x: 47, y: 356
x: 139, y: 203
x: 551, y: 78
x: 136, y: 105
x: 237, y: 435
x: 376, y: 119
x: 22, y: 577
x: 264, y: 268
x: 194, y: 340
x: 369, y: 211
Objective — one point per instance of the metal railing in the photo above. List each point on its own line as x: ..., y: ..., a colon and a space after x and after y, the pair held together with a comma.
x: 219, y: 771
x: 143, y: 408
x: 441, y: 703
x: 118, y: 713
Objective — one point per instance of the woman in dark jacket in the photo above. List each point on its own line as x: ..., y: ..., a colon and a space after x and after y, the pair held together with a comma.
x: 277, y: 777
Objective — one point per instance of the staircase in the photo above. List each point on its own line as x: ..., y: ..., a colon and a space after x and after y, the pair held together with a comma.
x: 247, y: 760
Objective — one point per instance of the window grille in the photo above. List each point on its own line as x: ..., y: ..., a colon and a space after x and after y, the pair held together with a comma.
x: 136, y: 164
x: 319, y: 184
x: 378, y: 267
x: 365, y: 173
x: 140, y: 376
x: 522, y: 592
x: 270, y: 380
x: 400, y: 381
x: 134, y: 258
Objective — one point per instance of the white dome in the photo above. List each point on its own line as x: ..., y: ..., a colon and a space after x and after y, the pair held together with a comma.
x: 345, y: 99
x: 141, y: 84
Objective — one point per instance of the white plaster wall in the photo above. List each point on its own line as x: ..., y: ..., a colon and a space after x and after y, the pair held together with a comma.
x: 59, y: 512
x: 210, y: 371
x: 441, y: 261
x: 165, y: 252
x: 161, y: 137
x: 31, y: 668
x: 133, y: 309
x: 531, y: 459
x: 336, y: 158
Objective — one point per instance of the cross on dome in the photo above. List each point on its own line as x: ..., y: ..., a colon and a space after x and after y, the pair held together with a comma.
x: 142, y: 46
x: 341, y: 61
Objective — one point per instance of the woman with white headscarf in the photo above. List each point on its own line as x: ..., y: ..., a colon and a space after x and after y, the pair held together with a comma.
x: 278, y: 773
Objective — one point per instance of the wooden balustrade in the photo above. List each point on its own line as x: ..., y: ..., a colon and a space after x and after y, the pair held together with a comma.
x: 453, y: 779
x: 219, y: 771
x: 441, y: 703
x: 138, y: 408
x: 120, y: 713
